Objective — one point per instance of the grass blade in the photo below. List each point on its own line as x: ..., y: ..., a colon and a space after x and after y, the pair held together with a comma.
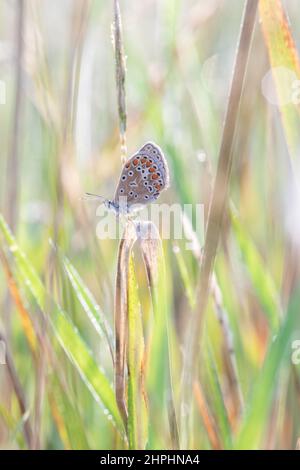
x: 137, y: 406
x: 68, y: 336
x: 89, y: 304
x: 120, y: 76
x: 121, y: 312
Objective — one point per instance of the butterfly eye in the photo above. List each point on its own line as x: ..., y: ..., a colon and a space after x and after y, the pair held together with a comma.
x: 121, y: 190
x: 135, y: 196
x: 154, y: 151
x: 131, y: 193
x: 130, y: 173
x: 144, y: 177
x: 145, y: 183
x: 139, y: 168
x: 124, y: 177
x: 146, y: 196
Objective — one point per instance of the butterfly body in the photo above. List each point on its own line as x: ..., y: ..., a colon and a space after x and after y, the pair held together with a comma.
x: 144, y: 176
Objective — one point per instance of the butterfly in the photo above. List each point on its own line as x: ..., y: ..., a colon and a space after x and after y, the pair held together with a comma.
x: 144, y: 176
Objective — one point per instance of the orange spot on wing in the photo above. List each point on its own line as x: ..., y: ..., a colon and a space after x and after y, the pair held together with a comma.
x: 135, y: 162
x: 127, y: 165
x: 148, y: 164
x: 144, y: 160
x: 154, y: 177
x: 158, y: 186
x: 151, y: 170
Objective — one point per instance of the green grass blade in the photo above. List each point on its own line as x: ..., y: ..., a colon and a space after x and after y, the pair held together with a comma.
x: 88, y: 302
x: 67, y: 334
x: 137, y: 409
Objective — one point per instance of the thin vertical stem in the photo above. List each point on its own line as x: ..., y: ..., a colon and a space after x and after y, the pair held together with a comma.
x: 220, y: 191
x: 120, y: 77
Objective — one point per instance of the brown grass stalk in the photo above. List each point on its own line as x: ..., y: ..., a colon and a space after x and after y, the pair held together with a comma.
x: 221, y: 185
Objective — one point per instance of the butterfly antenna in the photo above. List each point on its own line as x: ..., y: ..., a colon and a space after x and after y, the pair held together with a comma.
x: 91, y: 196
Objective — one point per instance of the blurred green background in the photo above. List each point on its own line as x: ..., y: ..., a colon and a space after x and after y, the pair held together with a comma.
x: 59, y: 139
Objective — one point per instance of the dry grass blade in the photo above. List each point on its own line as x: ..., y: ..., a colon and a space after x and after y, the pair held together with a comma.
x: 220, y: 190
x: 208, y: 420
x: 120, y: 75
x: 121, y: 308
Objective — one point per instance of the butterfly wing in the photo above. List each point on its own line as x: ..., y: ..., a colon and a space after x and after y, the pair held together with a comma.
x: 144, y: 176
